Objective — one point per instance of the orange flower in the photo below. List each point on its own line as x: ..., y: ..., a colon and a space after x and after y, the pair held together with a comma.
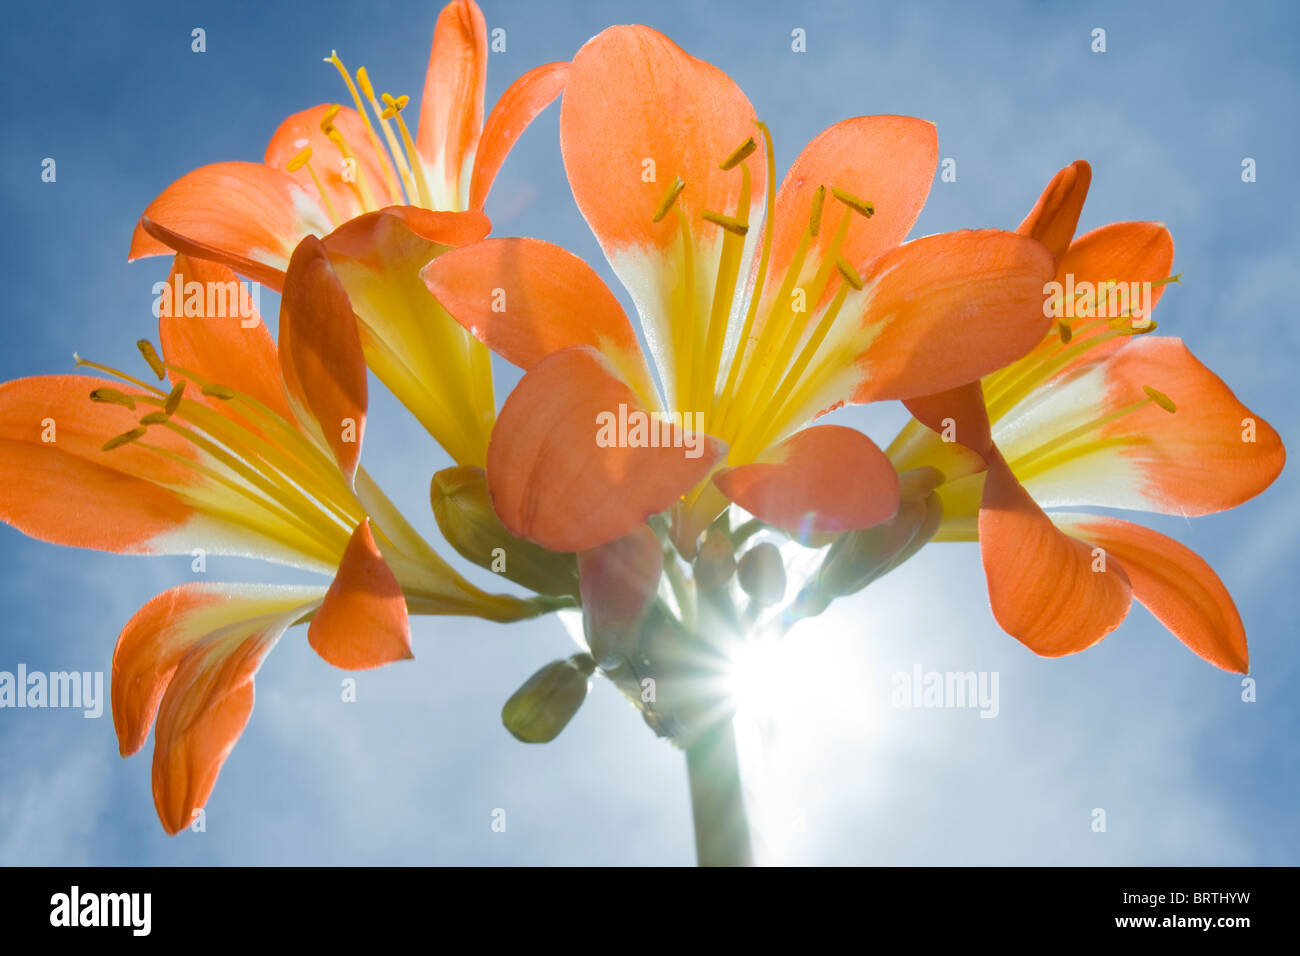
x: 248, y: 450
x: 1099, y: 414
x: 753, y: 331
x: 387, y: 203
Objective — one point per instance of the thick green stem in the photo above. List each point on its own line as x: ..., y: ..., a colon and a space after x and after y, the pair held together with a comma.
x: 717, y: 804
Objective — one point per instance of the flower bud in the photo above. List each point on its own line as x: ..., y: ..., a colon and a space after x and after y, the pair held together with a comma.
x: 716, y: 561
x: 463, y: 508
x: 762, y: 573
x: 547, y: 701
x: 619, y: 582
x: 859, y: 557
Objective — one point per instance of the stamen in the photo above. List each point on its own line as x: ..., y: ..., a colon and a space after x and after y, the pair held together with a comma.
x: 155, y: 363
x: 729, y: 223
x: 361, y: 111
x: 304, y: 159
x: 739, y: 155
x: 223, y: 392
x: 362, y: 186
x: 117, y: 441
x: 403, y: 168
x: 726, y: 404
x: 111, y: 396
x: 173, y: 400
x: 395, y: 106
x: 1064, y: 331
x: 1160, y: 398
x: 848, y: 272
x: 670, y: 197
x: 155, y: 418
x: 861, y: 206
x: 818, y: 204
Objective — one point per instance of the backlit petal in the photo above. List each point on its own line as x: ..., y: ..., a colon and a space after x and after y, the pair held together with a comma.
x: 246, y: 215
x: 362, y: 622
x: 823, y: 478
x: 525, y: 298
x: 1211, y: 454
x: 320, y: 354
x: 451, y: 109
x: 1048, y: 590
x: 1175, y: 584
x: 561, y: 474
x: 518, y: 106
x: 189, y: 656
x: 219, y: 339
x: 1054, y: 217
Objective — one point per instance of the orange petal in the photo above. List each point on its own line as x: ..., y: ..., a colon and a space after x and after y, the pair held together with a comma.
x: 618, y: 582
x: 1120, y: 252
x: 189, y: 656
x: 517, y: 107
x: 1048, y: 590
x: 964, y: 408
x: 1054, y: 217
x: 217, y: 338
x: 424, y: 357
x: 320, y: 353
x: 246, y: 215
x: 635, y: 97
x: 887, y: 160
x: 302, y: 130
x: 559, y: 472
x: 525, y: 298
x: 934, y: 314
x: 1211, y: 454
x: 56, y: 482
x: 362, y: 622
x: 823, y: 478
x: 1175, y: 584
x: 451, y: 109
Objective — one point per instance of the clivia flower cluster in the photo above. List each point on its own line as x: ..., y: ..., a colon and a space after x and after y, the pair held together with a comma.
x: 761, y: 306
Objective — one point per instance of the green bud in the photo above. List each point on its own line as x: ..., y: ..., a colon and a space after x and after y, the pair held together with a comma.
x: 463, y: 508
x: 762, y: 573
x: 547, y: 701
x: 716, y: 561
x: 859, y: 557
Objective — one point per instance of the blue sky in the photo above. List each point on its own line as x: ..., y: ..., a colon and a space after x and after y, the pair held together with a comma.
x: 411, y: 772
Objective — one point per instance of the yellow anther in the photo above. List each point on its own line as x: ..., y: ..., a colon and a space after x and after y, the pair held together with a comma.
x: 299, y: 161
x: 740, y: 154
x: 861, y: 206
x: 155, y: 363
x: 327, y: 118
x: 1150, y: 326
x: 117, y: 441
x: 729, y: 223
x: 815, y: 217
x: 173, y: 400
x: 155, y: 418
x: 670, y: 197
x: 223, y: 392
x: 1160, y: 398
x: 395, y: 105
x: 363, y: 81
x: 848, y: 272
x: 111, y: 396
